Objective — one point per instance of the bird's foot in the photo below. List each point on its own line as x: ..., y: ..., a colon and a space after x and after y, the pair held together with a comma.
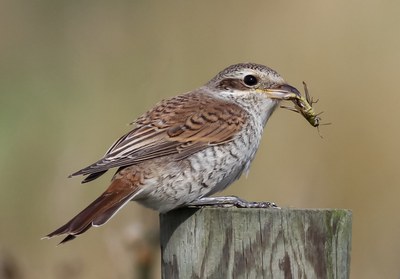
x: 230, y: 201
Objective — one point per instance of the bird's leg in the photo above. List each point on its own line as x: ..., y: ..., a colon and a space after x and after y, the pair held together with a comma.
x: 230, y: 201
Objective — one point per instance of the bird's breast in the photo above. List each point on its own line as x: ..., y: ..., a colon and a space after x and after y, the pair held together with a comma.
x: 178, y: 182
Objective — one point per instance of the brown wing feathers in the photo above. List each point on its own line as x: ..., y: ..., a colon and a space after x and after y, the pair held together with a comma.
x: 179, y: 127
x: 165, y: 130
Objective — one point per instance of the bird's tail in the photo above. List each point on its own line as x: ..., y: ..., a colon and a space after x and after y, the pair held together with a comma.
x: 99, y: 211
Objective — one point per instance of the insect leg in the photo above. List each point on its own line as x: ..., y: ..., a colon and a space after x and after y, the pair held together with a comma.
x: 290, y: 108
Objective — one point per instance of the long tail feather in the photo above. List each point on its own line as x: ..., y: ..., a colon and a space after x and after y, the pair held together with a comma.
x: 99, y: 211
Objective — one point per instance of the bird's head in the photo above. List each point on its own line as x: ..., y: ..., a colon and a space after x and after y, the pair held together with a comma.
x: 253, y: 78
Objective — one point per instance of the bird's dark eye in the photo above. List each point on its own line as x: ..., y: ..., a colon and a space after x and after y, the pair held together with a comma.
x: 250, y: 80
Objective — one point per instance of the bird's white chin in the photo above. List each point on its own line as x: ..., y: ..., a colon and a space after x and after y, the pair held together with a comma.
x: 269, y: 107
x: 261, y: 108
x: 256, y: 104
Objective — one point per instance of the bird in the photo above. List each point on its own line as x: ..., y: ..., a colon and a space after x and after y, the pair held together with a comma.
x: 186, y: 148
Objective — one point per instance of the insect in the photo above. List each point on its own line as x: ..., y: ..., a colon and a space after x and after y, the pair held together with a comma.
x: 304, y: 106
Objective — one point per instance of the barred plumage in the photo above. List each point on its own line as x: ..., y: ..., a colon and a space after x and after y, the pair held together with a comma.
x: 185, y: 148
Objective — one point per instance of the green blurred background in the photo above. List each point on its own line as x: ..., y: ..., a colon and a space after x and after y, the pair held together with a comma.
x: 74, y: 73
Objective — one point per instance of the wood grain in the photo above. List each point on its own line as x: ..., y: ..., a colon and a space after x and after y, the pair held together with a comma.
x: 255, y: 243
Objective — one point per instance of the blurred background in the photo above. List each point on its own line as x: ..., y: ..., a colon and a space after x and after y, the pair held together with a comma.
x: 73, y: 74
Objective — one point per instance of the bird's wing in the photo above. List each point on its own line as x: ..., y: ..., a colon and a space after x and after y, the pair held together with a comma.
x: 180, y: 127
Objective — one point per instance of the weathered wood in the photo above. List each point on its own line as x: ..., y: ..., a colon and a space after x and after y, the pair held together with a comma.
x: 255, y: 243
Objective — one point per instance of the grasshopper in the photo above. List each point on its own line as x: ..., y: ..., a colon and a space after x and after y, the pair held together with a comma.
x: 302, y: 104
x: 304, y: 107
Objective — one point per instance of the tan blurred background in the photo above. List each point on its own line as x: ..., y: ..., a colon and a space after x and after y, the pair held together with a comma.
x: 74, y: 73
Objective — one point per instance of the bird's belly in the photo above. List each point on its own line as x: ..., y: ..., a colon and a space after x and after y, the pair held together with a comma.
x: 201, y: 174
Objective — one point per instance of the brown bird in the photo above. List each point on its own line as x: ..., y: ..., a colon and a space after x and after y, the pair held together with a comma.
x: 186, y: 148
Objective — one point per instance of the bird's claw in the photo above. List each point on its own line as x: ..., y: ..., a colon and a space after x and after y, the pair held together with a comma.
x: 230, y: 201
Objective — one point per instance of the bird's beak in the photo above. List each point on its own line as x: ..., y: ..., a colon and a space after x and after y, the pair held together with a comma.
x: 282, y: 92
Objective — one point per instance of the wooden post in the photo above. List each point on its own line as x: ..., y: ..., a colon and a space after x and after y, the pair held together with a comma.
x: 255, y: 243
